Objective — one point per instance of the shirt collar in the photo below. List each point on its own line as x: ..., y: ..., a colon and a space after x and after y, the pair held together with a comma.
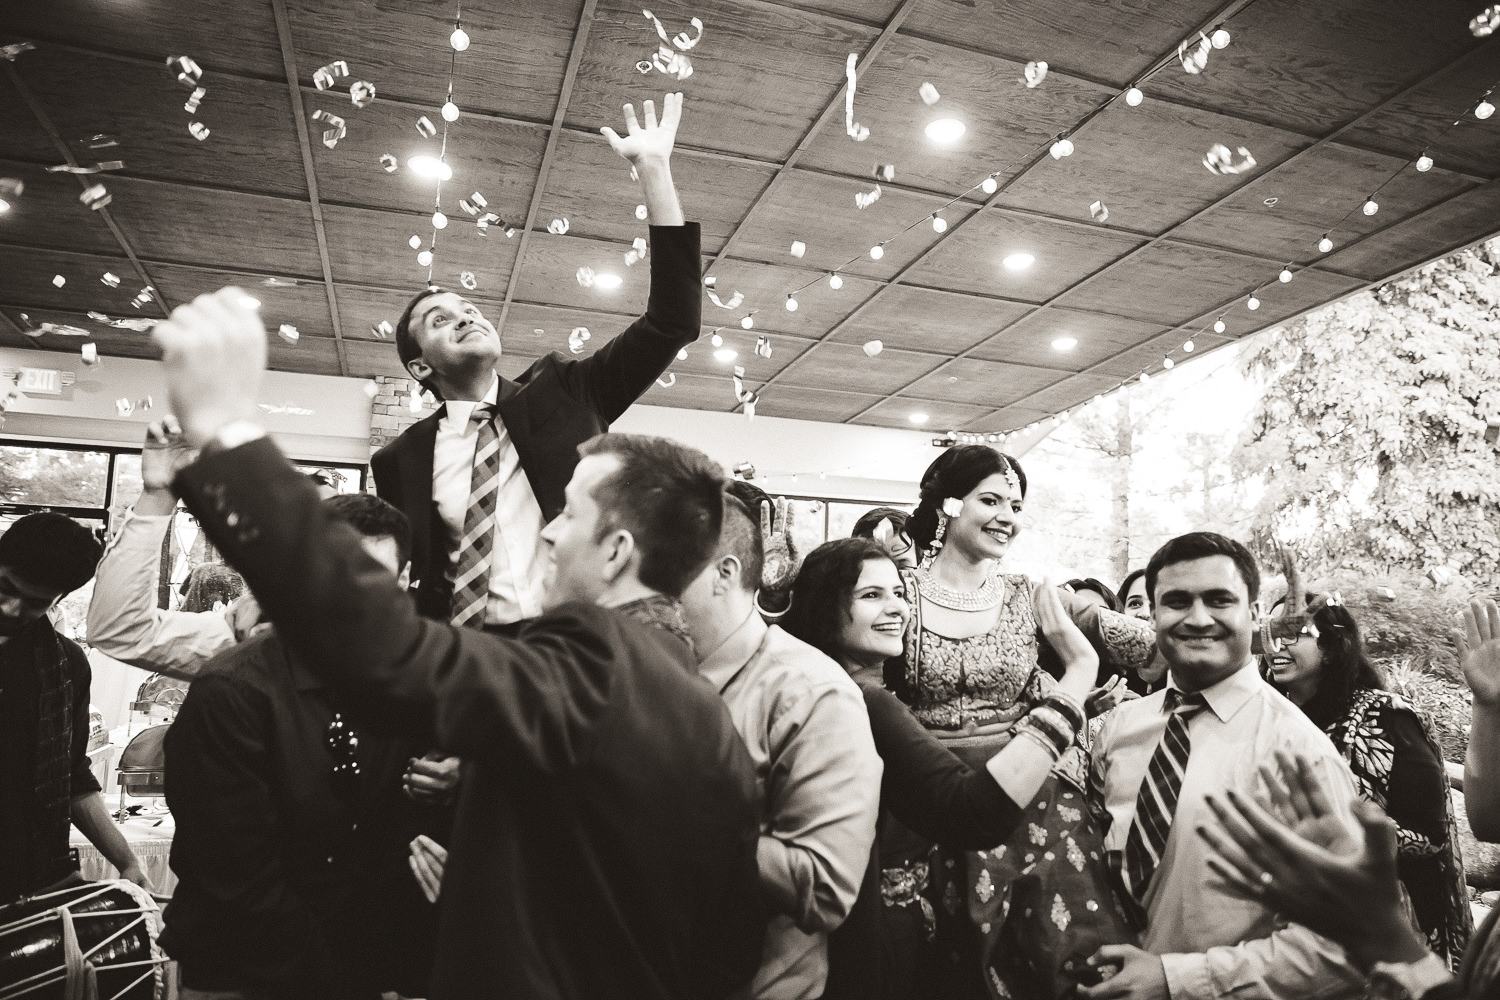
x: 1229, y: 695
x: 720, y: 666
x: 456, y: 412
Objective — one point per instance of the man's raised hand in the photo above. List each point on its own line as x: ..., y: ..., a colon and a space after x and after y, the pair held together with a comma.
x: 652, y: 144
x: 214, y: 350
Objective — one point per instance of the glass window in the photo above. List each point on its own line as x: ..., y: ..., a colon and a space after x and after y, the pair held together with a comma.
x: 55, y: 477
x: 127, y: 485
x: 809, y: 523
x: 843, y: 513
x: 343, y: 478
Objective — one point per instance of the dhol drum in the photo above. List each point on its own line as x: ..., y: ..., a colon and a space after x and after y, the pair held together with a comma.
x: 92, y: 940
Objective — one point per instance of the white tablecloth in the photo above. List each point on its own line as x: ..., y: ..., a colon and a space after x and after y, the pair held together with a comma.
x: 151, y: 839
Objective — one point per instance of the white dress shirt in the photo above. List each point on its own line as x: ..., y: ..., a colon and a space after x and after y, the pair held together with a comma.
x: 1213, y: 943
x: 817, y: 777
x: 515, y: 570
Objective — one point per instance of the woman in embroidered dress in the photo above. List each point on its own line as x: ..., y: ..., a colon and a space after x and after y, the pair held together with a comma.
x: 849, y: 601
x: 1318, y: 661
x: 974, y: 663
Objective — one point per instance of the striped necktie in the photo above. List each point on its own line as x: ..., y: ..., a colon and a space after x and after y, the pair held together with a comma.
x: 1157, y: 801
x: 471, y: 564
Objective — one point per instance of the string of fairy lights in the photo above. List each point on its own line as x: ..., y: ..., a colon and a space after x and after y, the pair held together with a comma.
x: 1193, y: 55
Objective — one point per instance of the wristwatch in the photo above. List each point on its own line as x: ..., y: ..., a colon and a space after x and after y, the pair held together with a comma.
x: 1407, y: 980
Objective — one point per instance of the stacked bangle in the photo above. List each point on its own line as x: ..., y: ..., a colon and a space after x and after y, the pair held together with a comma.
x: 1067, y: 707
x: 1053, y: 725
x: 1023, y: 729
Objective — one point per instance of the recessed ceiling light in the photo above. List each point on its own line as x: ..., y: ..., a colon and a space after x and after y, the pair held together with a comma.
x: 724, y: 355
x: 918, y: 418
x: 430, y: 167
x: 946, y: 130
x: 4, y: 205
x: 608, y: 282
x: 1019, y: 261
x: 1064, y: 343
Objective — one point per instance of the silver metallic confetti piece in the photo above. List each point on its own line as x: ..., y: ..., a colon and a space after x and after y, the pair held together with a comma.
x: 194, y: 99
x: 733, y: 303
x: 288, y: 333
x: 577, y: 338
x: 682, y: 40
x: 557, y: 227
x: 144, y: 405
x: 188, y: 72
x: 1196, y: 58
x: 425, y: 128
x: 885, y: 172
x: 111, y: 279
x: 415, y: 242
x: 929, y: 94
x: 743, y: 396
x: 762, y: 347
x: 324, y: 76
x: 58, y: 281
x: 361, y: 93
x: 1486, y: 23
x: 872, y: 348
x: 100, y: 140
x: 637, y: 252
x: 335, y: 130
x: 467, y: 279
x: 68, y: 168
x: 585, y: 277
x: 671, y: 380
x: 11, y: 188
x: 1099, y: 212
x: 199, y: 130
x: 58, y: 330
x: 10, y: 52
x: 864, y: 199
x: 641, y: 212
x: 124, y: 407
x: 1220, y: 160
x: 856, y: 131
x: 467, y: 207
x: 1036, y: 72
x: 388, y: 162
x: 89, y: 353
x: 798, y: 248
x: 383, y: 329
x: 138, y: 325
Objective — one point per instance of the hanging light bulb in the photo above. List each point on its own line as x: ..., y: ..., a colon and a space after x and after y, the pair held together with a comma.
x: 1167, y: 363
x: 1325, y: 244
x: 1252, y: 303
x: 1483, y: 110
x: 835, y: 282
x: 1424, y: 163
x: 989, y: 185
x: 1188, y: 347
x: 1219, y: 325
x: 877, y: 251
x: 1134, y: 97
x: 791, y: 304
x: 1371, y: 206
x: 450, y: 111
x: 439, y: 220
x: 1145, y: 376
x: 716, y: 340
x: 425, y: 258
x: 1285, y: 275
x: 747, y: 322
x: 459, y: 39
x: 939, y: 224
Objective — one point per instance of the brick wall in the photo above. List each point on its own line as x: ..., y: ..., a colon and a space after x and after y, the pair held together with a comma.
x: 390, y: 410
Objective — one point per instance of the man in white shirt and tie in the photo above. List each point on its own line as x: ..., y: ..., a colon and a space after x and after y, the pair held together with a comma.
x: 1154, y: 761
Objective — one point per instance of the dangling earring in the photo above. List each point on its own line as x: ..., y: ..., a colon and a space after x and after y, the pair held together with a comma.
x: 937, y: 541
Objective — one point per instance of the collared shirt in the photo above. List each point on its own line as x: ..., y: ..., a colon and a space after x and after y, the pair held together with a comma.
x: 817, y: 776
x: 1212, y: 942
x: 515, y: 570
x: 124, y: 621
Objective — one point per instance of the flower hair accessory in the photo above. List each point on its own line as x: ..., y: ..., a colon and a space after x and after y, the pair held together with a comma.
x: 953, y: 506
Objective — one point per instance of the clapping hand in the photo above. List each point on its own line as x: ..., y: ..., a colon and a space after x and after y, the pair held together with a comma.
x: 1080, y: 661
x: 1478, y: 645
x: 214, y: 351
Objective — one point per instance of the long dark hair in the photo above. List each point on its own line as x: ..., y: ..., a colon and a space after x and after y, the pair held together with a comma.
x: 821, y: 593
x: 955, y: 473
x: 1346, y: 666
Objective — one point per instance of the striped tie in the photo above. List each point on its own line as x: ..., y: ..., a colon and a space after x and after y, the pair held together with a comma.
x: 471, y: 563
x: 1157, y: 802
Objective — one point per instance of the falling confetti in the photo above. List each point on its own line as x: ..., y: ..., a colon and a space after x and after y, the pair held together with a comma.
x: 1485, y: 24
x: 188, y: 72
x: 124, y: 407
x: 744, y: 396
x: 361, y: 93
x: 682, y: 40
x: 1036, y: 72
x: 641, y: 212
x: 383, y: 330
x: 58, y: 281
x: 557, y: 227
x: 335, y: 130
x: 194, y: 99
x: 668, y: 61
x: 872, y: 348
x: 577, y: 338
x: 856, y: 131
x: 798, y: 248
x: 289, y: 333
x: 1061, y: 148
x: 928, y: 93
x: 99, y: 140
x: 288, y: 409
x: 143, y: 296
x: 200, y: 131
x: 733, y: 303
x: 388, y: 162
x: 637, y: 252
x: 864, y: 199
x: 586, y: 277
x: 95, y: 197
x: 69, y: 168
x: 11, y: 188
x: 10, y: 52
x: 1099, y: 212
x: 885, y: 172
x: 1219, y: 160
x: 762, y: 347
x: 474, y: 204
x: 671, y: 380
x: 88, y: 352
x: 324, y: 76
x: 425, y: 128
x: 468, y: 280
x: 110, y: 278
x: 1196, y: 58
x: 57, y: 330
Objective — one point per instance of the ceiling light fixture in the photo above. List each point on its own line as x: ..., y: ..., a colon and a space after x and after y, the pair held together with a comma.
x: 946, y: 130
x: 459, y: 39
x: 1064, y: 343
x: 1018, y: 261
x: 724, y: 355
x: 430, y: 167
x: 835, y: 282
x: 918, y: 418
x: 1134, y: 97
x: 608, y: 282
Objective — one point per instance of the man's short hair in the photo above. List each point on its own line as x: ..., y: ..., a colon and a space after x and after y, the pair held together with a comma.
x: 669, y: 497
x: 740, y: 537
x: 1201, y: 545
x: 372, y: 517
x: 50, y: 550
x: 407, y: 348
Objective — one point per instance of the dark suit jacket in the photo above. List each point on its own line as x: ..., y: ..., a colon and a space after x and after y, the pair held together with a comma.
x: 605, y: 838
x: 550, y: 409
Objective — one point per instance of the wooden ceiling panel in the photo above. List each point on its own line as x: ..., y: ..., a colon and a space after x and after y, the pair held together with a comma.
x: 1146, y: 356
x: 590, y: 186
x: 228, y: 37
x: 111, y: 341
x: 368, y: 358
x: 403, y: 50
x: 497, y: 159
x: 763, y: 73
x: 701, y: 358
x: 1001, y: 133
x: 1009, y: 419
x: 1307, y: 290
x: 1069, y: 393
x: 1438, y: 231
x: 898, y: 412
x: 251, y: 145
x: 369, y: 247
x: 1421, y: 118
x: 695, y: 392
x: 549, y: 273
x: 983, y: 383
x: 1319, y: 191
x: 361, y: 308
x: 925, y: 319
x: 765, y: 289
x: 1029, y: 342
x: 1310, y: 67
x: 26, y: 279
x: 1169, y: 283
x: 304, y: 305
x: 1144, y: 193
x: 49, y: 214
x: 970, y: 258
x: 874, y: 12
x: 216, y: 228
x: 535, y: 330
x: 21, y: 136
x: 832, y: 405
x: 848, y: 369
x: 1114, y: 43
x: 313, y: 355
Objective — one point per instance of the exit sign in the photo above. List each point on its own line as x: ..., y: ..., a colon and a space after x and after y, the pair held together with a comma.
x: 40, y: 381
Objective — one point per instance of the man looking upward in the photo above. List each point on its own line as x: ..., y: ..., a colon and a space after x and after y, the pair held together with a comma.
x: 480, y: 477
